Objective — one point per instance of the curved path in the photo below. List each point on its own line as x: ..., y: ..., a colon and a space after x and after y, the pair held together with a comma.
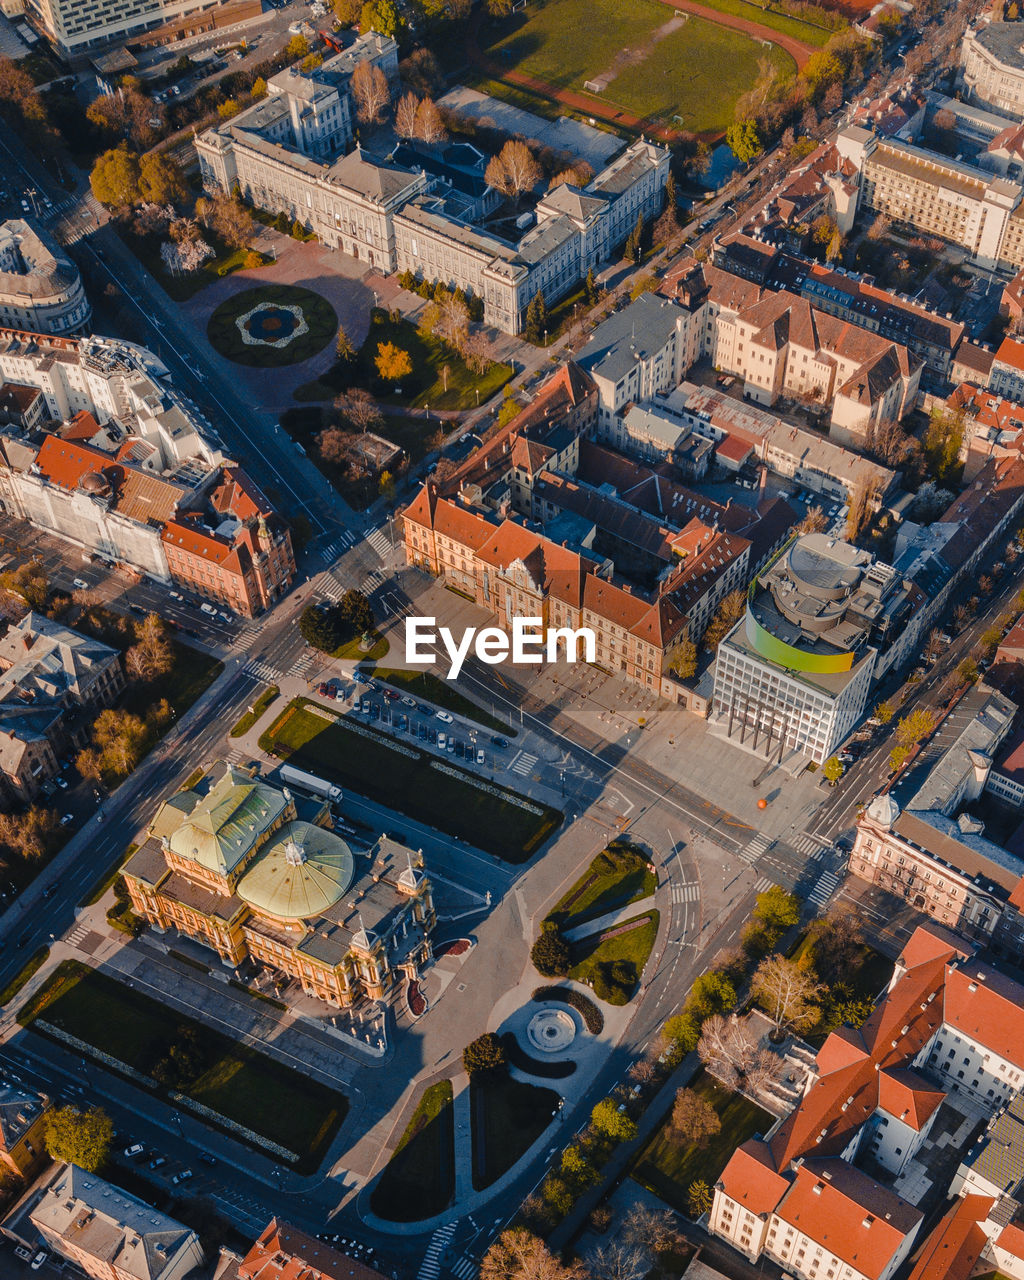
x: 797, y: 49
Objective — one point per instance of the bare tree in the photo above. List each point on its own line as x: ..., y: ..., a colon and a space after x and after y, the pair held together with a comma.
x: 726, y: 1047
x: 889, y: 443
x: 405, y: 115
x: 452, y: 322
x: 642, y: 1071
x: 477, y: 352
x: 618, y: 1260
x: 652, y: 1229
x: 835, y: 940
x: 787, y: 993
x: 429, y: 125
x: 371, y: 92
x: 359, y: 409
x: 814, y: 521
x: 514, y: 170
x: 518, y: 1254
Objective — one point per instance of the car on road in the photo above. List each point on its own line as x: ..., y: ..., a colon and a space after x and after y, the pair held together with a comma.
x: 208, y: 609
x: 134, y: 1151
x: 206, y: 1158
x: 408, y: 702
x: 67, y: 820
x: 184, y: 1176
x: 424, y: 710
x: 157, y: 1162
x: 62, y: 783
x: 176, y: 595
x: 390, y: 695
x: 500, y: 743
x: 444, y: 716
x: 80, y: 584
x: 480, y: 758
x: 38, y: 1260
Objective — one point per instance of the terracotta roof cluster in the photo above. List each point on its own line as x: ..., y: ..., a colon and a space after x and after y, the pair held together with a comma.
x: 283, y: 1252
x: 956, y: 1244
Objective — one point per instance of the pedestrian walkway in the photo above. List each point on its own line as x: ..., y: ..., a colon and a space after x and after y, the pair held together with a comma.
x: 610, y: 919
x: 463, y: 1123
x: 756, y: 847
x: 687, y: 892
x: 824, y: 889
x: 523, y: 764
x: 430, y: 1267
x: 262, y: 671
x: 380, y: 542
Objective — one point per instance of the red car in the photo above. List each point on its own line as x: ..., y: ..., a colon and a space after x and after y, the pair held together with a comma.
x: 390, y: 695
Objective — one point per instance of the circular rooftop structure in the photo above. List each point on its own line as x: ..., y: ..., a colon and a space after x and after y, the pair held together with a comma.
x: 301, y: 874
x: 551, y: 1030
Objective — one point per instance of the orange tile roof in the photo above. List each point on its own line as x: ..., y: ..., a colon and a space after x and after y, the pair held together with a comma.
x: 65, y: 463
x: 83, y: 426
x: 283, y: 1252
x: 1011, y: 353
x: 199, y: 544
x: 908, y: 1097
x: 951, y: 1251
x: 1011, y: 1238
x: 751, y: 1179
x: 985, y: 1005
x: 239, y: 495
x: 856, y: 1218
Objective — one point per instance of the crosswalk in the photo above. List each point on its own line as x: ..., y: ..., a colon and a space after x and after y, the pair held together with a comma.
x: 686, y: 892
x: 371, y: 583
x: 340, y: 545
x: 249, y: 632
x: 77, y: 934
x: 465, y: 1268
x: 303, y: 665
x: 523, y: 764
x: 380, y: 542
x: 763, y: 885
x: 759, y: 845
x: 331, y: 588
x: 824, y: 889
x: 261, y: 670
x: 430, y: 1267
x: 811, y: 846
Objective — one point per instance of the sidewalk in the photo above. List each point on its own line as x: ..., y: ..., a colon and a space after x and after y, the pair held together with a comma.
x: 610, y: 919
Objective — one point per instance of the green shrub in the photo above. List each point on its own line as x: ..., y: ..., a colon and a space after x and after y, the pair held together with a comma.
x: 592, y: 1016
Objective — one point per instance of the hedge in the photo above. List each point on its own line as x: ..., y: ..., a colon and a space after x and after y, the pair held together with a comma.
x: 588, y: 1011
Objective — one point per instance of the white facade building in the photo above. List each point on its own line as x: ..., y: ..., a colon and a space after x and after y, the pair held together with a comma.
x: 40, y: 288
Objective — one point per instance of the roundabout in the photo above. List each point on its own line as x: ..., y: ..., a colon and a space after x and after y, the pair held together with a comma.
x: 272, y: 326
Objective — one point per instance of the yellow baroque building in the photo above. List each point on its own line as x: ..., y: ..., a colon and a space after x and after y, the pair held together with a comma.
x: 256, y: 873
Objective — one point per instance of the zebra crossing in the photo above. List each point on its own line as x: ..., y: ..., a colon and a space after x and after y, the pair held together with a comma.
x: 332, y: 588
x: 302, y: 665
x: 340, y: 545
x: 380, y: 542
x: 371, y: 583
x: 759, y: 845
x: 249, y: 632
x: 77, y: 934
x: 523, y: 764
x: 261, y: 670
x: 430, y: 1267
x: 763, y: 885
x: 824, y: 889
x: 465, y: 1268
x: 814, y: 847
x: 686, y: 892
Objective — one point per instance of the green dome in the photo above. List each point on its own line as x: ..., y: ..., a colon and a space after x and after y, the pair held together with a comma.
x: 302, y: 874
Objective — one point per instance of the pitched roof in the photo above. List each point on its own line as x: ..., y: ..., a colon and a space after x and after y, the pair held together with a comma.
x: 751, y: 1179
x: 982, y: 1003
x: 908, y: 1097
x: 951, y: 1251
x: 283, y: 1252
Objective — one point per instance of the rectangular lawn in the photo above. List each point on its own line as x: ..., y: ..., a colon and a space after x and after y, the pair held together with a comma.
x: 366, y: 761
x: 239, y: 1083
x: 667, y: 1168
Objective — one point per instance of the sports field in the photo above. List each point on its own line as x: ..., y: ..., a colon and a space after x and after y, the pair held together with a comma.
x: 653, y: 62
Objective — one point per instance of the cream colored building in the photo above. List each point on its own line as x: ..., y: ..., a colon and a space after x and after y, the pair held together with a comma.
x: 79, y: 28
x: 992, y: 67
x: 40, y: 288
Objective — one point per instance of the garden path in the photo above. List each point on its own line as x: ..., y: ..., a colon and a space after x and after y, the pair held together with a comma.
x: 610, y: 919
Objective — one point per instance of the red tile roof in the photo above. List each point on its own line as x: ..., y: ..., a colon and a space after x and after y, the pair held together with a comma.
x: 986, y: 1005
x: 908, y: 1097
x: 1011, y: 353
x: 283, y: 1252
x: 65, y: 463
x: 751, y: 1180
x: 956, y: 1244
x: 1011, y: 1238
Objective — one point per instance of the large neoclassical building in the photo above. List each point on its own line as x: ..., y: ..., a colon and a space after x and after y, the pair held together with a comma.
x: 254, y: 872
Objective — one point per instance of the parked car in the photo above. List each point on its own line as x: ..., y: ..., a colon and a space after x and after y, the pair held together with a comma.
x: 360, y: 677
x: 444, y: 716
x: 451, y: 746
x: 67, y: 820
x: 460, y: 749
x: 500, y: 743
x: 390, y: 695
x: 134, y: 1151
x: 208, y: 609
x: 480, y: 757
x: 80, y: 584
x: 424, y: 710
x: 206, y: 1158
x: 62, y: 783
x: 322, y: 689
x: 176, y: 595
x: 184, y: 1176
x: 442, y: 741
x: 38, y: 1260
x: 158, y: 1162
x: 408, y: 702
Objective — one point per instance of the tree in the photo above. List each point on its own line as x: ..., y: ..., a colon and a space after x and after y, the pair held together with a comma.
x: 478, y: 353
x: 814, y: 521
x: 683, y: 662
x: 161, y: 181
x: 499, y: 8
x: 833, y: 769
x: 611, y: 1123
x: 405, y: 115
x: 359, y: 409
x: 484, y: 1056
x: 885, y: 710
x: 259, y: 89
x: 451, y: 321
x: 382, y: 16
x: 513, y: 170
x: 536, y: 318
x: 115, y: 178
x: 915, y: 727
x: 371, y: 91
x: 728, y: 613
x: 943, y: 442
x: 151, y: 655
x: 228, y: 219
x: 28, y: 835
x: 421, y: 72
x: 386, y: 485
x: 711, y: 993
x: 344, y: 351
x: 777, y: 910
x: 355, y: 612
x: 699, y: 1198
x: 231, y: 106
x: 430, y: 127
x: 835, y: 940
x: 731, y: 1050
x: 348, y: 11
x: 694, y: 1119
x: 744, y: 140
x: 311, y: 61
x: 618, y: 1260
x: 967, y: 672
x: 296, y: 48
x: 79, y: 1137
x: 518, y: 1254
x: 392, y: 362
x: 590, y: 288
x: 652, y: 1229
x: 787, y: 993
x: 860, y: 505
x: 321, y: 628
x: 576, y: 1169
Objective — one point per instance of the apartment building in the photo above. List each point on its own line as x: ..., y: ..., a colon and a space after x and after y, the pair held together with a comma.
x: 100, y: 450
x: 77, y: 29
x: 285, y: 154
x: 992, y: 67
x: 803, y: 1194
x: 40, y: 288
x: 23, y: 1115
x: 283, y: 1252
x: 53, y: 681
x: 252, y: 872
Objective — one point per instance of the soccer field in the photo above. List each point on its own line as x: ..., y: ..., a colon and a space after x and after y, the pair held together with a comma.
x: 654, y: 62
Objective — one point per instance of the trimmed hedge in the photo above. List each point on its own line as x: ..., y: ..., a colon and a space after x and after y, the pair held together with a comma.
x: 519, y: 1058
x: 592, y: 1016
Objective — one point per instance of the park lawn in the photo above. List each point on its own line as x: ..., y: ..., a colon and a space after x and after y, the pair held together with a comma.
x: 567, y: 42
x: 600, y: 889
x: 508, y: 1117
x: 32, y: 965
x: 424, y: 684
x: 697, y: 73
x: 192, y: 674
x: 240, y: 1084
x: 636, y: 946
x: 366, y: 761
x: 180, y: 288
x: 419, y: 1179
x: 668, y: 1168
x: 808, y: 32
x: 244, y: 723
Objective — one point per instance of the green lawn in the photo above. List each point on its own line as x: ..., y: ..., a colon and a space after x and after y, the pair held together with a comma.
x: 366, y: 760
x: 239, y: 1083
x: 225, y: 337
x: 351, y: 649
x: 633, y: 947
x: 614, y: 879
x: 246, y: 722
x: 181, y: 288
x: 508, y: 1117
x: 419, y: 1179
x: 425, y: 386
x: 32, y: 965
x: 667, y: 1168
x: 423, y: 684
x: 808, y: 32
x: 697, y: 73
x: 192, y: 674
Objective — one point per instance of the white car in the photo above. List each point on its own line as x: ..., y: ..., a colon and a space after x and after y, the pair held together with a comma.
x: 38, y: 1260
x: 444, y: 716
x: 67, y: 820
x: 176, y: 595
x: 80, y: 584
x: 182, y: 1177
x: 408, y: 702
x: 442, y: 741
x: 208, y: 609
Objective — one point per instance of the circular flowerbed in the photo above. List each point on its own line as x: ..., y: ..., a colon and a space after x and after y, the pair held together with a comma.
x: 272, y: 326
